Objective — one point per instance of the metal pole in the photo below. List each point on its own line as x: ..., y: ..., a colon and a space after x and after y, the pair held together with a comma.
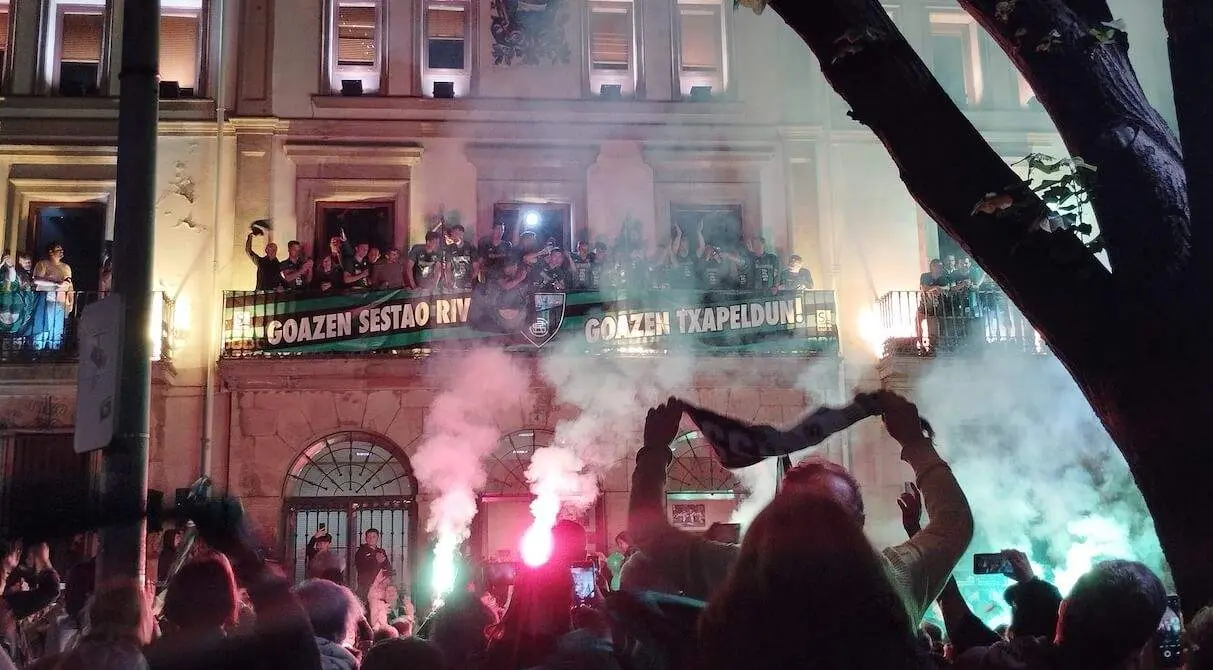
x: 124, y: 465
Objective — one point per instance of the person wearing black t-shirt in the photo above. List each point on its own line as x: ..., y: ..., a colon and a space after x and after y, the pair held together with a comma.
x: 358, y: 275
x: 551, y: 273
x: 296, y: 270
x: 796, y: 277
x: 604, y: 274
x: 494, y: 249
x: 582, y: 260
x: 459, y: 254
x: 766, y: 266
x: 269, y: 268
x: 423, y: 271
x: 713, y: 269
x: 328, y: 276
x: 682, y: 261
x: 931, y: 285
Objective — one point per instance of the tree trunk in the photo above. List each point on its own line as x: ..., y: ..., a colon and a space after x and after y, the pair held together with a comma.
x: 1190, y: 44
x: 1136, y: 354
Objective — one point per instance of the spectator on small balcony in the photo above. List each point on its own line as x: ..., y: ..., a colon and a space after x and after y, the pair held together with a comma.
x: 389, y: 274
x: 374, y: 256
x: 931, y: 285
x: 796, y: 277
x: 16, y: 276
x: 296, y: 269
x: 53, y: 278
x: 269, y: 268
x: 423, y: 270
x: 458, y: 253
x: 357, y: 274
x: 107, y: 271
x: 328, y: 278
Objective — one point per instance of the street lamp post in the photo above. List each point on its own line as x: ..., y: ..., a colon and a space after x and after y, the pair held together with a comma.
x: 124, y: 462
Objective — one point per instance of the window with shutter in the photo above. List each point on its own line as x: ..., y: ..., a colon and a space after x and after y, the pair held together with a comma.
x: 80, y: 38
x: 702, y: 48
x: 357, y: 33
x: 446, y: 28
x: 179, y: 49
x: 4, y: 27
x: 611, y: 36
x: 952, y: 49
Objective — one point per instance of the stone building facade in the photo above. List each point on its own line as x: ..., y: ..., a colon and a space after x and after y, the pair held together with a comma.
x: 295, y: 109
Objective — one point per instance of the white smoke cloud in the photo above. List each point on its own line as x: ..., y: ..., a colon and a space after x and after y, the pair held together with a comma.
x: 1039, y: 470
x: 486, y: 386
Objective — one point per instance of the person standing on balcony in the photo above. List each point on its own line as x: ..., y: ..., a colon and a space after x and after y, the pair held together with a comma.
x: 357, y: 274
x: 931, y: 285
x: 423, y: 271
x: 269, y: 268
x: 296, y: 270
x: 796, y: 277
x: 16, y: 276
x: 52, y: 278
x: 328, y: 277
x: 493, y: 251
x: 389, y: 274
x: 458, y: 254
x: 766, y: 266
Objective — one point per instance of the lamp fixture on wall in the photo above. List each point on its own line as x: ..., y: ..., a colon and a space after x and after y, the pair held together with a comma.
x: 444, y: 89
x: 351, y: 87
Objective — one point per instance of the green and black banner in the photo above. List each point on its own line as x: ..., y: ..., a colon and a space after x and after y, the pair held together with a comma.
x: 259, y: 323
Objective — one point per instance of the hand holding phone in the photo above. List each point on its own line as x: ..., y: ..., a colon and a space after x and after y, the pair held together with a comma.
x: 1169, y: 648
x: 584, y: 582
x: 992, y: 564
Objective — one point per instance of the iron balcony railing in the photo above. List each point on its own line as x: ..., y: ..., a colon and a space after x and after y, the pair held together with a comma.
x: 398, y: 322
x: 40, y: 326
x: 913, y: 323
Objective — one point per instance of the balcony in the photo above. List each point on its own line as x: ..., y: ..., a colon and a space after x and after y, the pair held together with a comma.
x: 38, y: 327
x: 397, y: 323
x: 908, y: 323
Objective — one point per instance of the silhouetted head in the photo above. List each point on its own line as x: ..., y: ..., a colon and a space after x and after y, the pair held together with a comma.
x: 1034, y: 607
x: 818, y: 476
x: 1111, y: 613
x: 202, y: 595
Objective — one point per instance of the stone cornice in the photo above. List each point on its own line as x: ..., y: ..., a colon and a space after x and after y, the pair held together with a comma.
x: 353, y: 153
x: 739, y: 163
x: 539, y: 162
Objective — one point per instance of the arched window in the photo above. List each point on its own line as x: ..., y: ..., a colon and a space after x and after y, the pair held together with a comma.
x: 342, y: 486
x: 696, y: 470
x: 350, y: 465
x: 507, y: 466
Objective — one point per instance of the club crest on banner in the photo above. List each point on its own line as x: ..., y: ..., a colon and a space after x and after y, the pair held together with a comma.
x: 546, y: 317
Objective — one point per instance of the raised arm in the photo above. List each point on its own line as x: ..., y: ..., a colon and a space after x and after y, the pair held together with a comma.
x: 965, y: 629
x: 923, y: 564
x: 694, y: 564
x: 248, y: 248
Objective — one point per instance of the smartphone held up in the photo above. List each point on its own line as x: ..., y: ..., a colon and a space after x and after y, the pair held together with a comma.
x: 992, y: 564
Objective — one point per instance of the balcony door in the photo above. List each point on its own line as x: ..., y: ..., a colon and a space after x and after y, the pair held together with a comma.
x: 370, y: 222
x: 80, y: 228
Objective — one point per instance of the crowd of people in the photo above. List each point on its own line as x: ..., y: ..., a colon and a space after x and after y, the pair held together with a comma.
x: 956, y: 299
x: 804, y: 588
x: 448, y: 262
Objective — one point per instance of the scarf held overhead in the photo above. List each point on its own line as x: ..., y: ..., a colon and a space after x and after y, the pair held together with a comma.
x: 739, y: 444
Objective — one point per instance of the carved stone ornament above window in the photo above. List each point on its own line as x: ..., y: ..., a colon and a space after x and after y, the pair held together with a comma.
x: 530, y: 32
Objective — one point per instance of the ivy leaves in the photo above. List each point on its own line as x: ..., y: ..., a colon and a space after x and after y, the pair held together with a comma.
x: 1063, y: 183
x: 758, y: 6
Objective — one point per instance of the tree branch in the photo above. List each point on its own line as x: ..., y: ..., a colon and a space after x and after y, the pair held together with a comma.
x: 950, y: 169
x: 1080, y: 70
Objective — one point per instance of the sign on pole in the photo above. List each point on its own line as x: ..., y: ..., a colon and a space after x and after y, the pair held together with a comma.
x: 100, y: 338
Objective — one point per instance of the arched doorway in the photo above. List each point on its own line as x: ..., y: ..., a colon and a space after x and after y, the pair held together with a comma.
x: 351, y: 482
x: 699, y: 491
x: 505, y: 501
